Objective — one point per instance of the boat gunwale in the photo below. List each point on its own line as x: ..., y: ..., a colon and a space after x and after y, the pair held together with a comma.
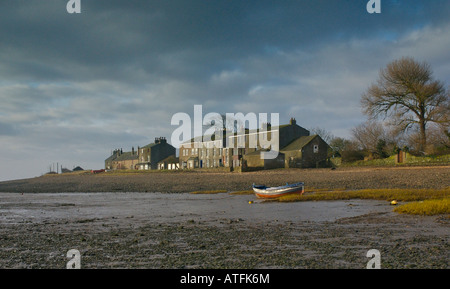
x: 275, y: 192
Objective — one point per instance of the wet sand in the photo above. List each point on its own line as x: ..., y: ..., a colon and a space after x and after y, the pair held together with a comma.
x: 157, y: 230
x: 133, y: 208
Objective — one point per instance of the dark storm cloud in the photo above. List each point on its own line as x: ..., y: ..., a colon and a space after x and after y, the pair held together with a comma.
x: 116, y: 73
x: 110, y: 37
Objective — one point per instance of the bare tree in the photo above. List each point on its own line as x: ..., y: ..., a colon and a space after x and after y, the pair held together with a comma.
x: 438, y: 140
x: 323, y: 133
x: 338, y: 145
x: 407, y: 94
x: 368, y: 134
x: 376, y: 138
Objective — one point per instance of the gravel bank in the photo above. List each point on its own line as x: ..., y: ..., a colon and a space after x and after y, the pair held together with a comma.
x: 349, y: 178
x: 403, y: 242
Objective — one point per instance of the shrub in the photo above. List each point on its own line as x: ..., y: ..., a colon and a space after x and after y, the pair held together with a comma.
x: 352, y: 156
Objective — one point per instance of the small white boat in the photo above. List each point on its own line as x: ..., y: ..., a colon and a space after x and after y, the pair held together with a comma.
x: 276, y: 192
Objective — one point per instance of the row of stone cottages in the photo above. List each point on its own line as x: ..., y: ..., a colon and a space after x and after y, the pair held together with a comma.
x: 298, y: 149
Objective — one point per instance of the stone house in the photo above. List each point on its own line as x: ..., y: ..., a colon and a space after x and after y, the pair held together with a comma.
x: 306, y: 152
x: 145, y: 158
x: 188, y: 155
x: 151, y: 154
x: 253, y: 161
x: 296, y: 149
x: 120, y: 160
x: 286, y: 134
x: 202, y: 154
x: 169, y: 163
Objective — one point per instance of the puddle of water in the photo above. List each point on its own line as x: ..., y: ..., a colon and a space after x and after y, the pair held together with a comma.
x: 160, y: 207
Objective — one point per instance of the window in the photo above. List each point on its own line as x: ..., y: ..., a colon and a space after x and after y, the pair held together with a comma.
x: 316, y: 149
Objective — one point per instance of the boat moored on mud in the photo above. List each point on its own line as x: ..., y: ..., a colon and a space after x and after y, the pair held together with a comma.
x: 265, y: 192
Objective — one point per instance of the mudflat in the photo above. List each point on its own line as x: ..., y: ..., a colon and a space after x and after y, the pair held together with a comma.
x: 160, y: 230
x: 111, y: 228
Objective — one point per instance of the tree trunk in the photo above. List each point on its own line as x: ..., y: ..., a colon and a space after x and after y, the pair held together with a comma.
x: 423, y: 136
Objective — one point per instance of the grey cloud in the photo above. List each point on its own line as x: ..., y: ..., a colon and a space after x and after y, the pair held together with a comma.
x: 112, y: 35
x: 7, y: 129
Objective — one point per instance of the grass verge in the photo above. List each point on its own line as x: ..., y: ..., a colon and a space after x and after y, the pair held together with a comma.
x: 423, y: 201
x: 402, y: 195
x: 426, y: 208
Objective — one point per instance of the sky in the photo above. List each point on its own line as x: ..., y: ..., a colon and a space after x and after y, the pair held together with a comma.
x: 74, y: 87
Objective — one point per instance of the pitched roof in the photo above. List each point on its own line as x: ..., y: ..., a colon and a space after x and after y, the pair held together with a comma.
x: 258, y: 152
x: 111, y: 157
x: 149, y: 146
x: 227, y: 133
x: 170, y: 159
x: 127, y: 156
x: 299, y: 143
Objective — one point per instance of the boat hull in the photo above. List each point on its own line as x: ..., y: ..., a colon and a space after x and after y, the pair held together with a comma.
x: 276, y: 192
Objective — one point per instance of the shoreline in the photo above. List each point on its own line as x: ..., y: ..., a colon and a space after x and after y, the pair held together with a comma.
x: 182, y: 182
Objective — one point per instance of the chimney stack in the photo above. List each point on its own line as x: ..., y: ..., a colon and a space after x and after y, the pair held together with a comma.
x: 160, y: 140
